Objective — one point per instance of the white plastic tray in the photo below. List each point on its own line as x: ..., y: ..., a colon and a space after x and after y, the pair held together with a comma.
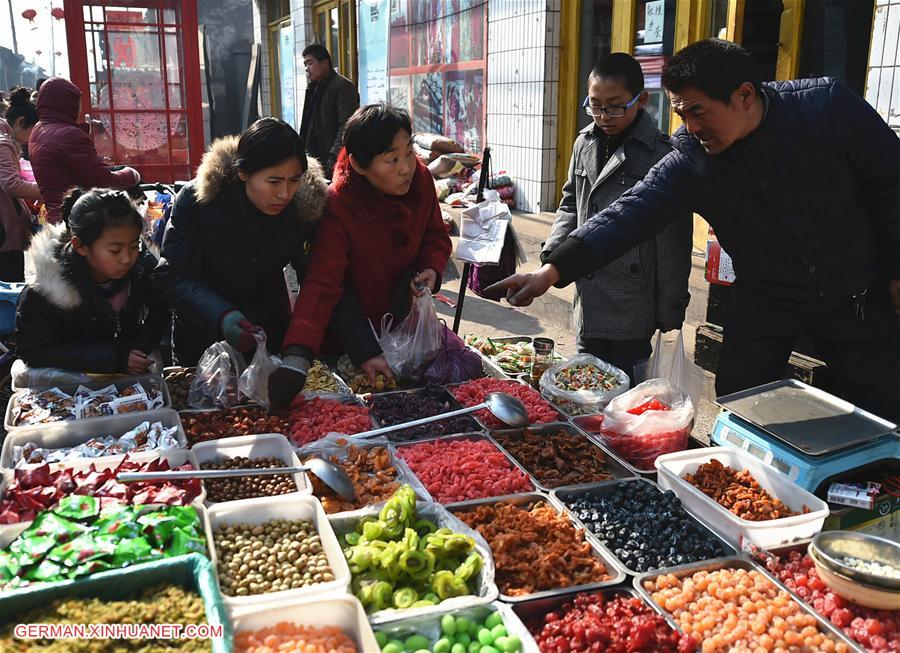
x: 70, y: 434
x: 153, y: 381
x: 251, y: 446
x: 765, y: 534
x: 344, y: 612
x: 175, y: 458
x: 286, y: 506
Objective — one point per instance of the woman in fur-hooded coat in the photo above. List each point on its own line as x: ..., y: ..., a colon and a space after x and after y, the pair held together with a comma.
x: 220, y: 253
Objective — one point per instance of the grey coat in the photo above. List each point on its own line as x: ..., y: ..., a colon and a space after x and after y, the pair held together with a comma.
x: 647, y: 288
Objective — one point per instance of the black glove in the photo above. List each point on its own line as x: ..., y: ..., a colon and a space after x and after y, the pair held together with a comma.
x: 287, y: 381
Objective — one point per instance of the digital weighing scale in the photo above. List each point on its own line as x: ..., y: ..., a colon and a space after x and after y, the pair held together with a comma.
x: 803, y: 432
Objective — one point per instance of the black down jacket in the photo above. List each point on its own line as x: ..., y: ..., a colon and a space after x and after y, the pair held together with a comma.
x: 808, y: 205
x: 219, y: 253
x: 62, y: 320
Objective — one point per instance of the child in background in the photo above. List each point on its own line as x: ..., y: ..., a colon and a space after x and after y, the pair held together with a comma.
x: 92, y: 306
x: 618, y: 308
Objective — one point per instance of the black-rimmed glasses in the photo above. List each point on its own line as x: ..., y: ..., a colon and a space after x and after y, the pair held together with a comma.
x: 615, y: 111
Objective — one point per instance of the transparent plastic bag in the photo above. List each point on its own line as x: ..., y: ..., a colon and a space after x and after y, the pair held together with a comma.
x: 254, y: 381
x: 41, y: 378
x: 583, y: 402
x: 670, y: 361
x: 415, y: 342
x: 218, y: 374
x: 649, y: 420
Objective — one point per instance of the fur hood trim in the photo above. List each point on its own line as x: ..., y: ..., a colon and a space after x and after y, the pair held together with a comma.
x: 51, y: 278
x: 217, y: 169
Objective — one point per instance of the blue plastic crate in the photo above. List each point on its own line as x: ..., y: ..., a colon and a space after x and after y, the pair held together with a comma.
x: 9, y: 297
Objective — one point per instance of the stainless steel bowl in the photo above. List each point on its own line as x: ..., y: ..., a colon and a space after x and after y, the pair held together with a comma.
x: 830, y: 546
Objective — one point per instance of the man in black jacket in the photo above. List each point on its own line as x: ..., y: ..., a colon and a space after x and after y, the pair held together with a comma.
x: 801, y: 182
x: 329, y: 101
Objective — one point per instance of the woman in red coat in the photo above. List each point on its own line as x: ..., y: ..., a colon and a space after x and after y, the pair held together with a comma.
x: 383, y: 229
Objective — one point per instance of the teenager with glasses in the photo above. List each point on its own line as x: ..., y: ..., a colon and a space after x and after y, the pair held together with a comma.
x: 618, y: 308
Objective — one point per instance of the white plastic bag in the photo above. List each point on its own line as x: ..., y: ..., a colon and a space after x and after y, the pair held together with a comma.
x: 254, y: 381
x: 41, y: 378
x: 483, y: 230
x: 669, y: 361
x: 653, y: 428
x: 411, y: 347
x: 582, y: 402
x: 216, y: 382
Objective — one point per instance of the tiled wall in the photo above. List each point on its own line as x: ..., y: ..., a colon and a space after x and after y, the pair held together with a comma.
x: 522, y: 92
x: 883, y: 82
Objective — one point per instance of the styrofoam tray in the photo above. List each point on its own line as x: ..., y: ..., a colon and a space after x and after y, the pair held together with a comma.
x: 344, y: 612
x: 175, y: 458
x: 11, y: 531
x: 265, y: 445
x: 70, y: 434
x: 766, y: 534
x: 286, y: 506
x: 154, y: 381
x: 430, y: 625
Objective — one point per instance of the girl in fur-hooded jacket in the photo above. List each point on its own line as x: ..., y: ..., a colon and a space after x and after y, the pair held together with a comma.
x: 92, y: 305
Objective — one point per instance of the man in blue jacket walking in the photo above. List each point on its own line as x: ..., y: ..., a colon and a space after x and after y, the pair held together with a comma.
x: 801, y: 182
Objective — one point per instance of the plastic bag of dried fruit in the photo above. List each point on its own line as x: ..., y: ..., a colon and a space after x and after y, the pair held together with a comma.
x: 216, y: 382
x: 649, y: 420
x: 583, y: 384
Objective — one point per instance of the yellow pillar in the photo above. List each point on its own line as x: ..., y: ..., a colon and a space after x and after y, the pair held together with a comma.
x: 735, y: 29
x: 623, y: 25
x: 789, y: 40
x: 569, y: 95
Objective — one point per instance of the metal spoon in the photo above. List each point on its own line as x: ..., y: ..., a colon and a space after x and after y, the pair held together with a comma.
x: 329, y: 473
x: 504, y: 407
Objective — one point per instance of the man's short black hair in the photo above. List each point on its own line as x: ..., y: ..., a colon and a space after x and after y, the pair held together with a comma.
x: 622, y: 67
x: 320, y: 52
x: 713, y: 66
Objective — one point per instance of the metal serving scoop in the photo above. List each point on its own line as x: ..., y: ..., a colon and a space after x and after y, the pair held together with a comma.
x: 329, y: 473
x: 504, y: 407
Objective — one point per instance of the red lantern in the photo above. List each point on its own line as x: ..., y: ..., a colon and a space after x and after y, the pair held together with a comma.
x: 58, y: 13
x: 29, y: 14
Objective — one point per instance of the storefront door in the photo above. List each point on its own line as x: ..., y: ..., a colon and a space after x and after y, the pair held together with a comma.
x: 334, y: 26
x: 137, y: 65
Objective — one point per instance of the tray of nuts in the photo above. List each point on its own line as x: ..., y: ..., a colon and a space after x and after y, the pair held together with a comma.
x: 204, y: 425
x: 539, y: 550
x: 249, y: 452
x: 559, y: 454
x: 274, y: 548
x: 733, y: 604
x: 179, y: 380
x: 374, y: 468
